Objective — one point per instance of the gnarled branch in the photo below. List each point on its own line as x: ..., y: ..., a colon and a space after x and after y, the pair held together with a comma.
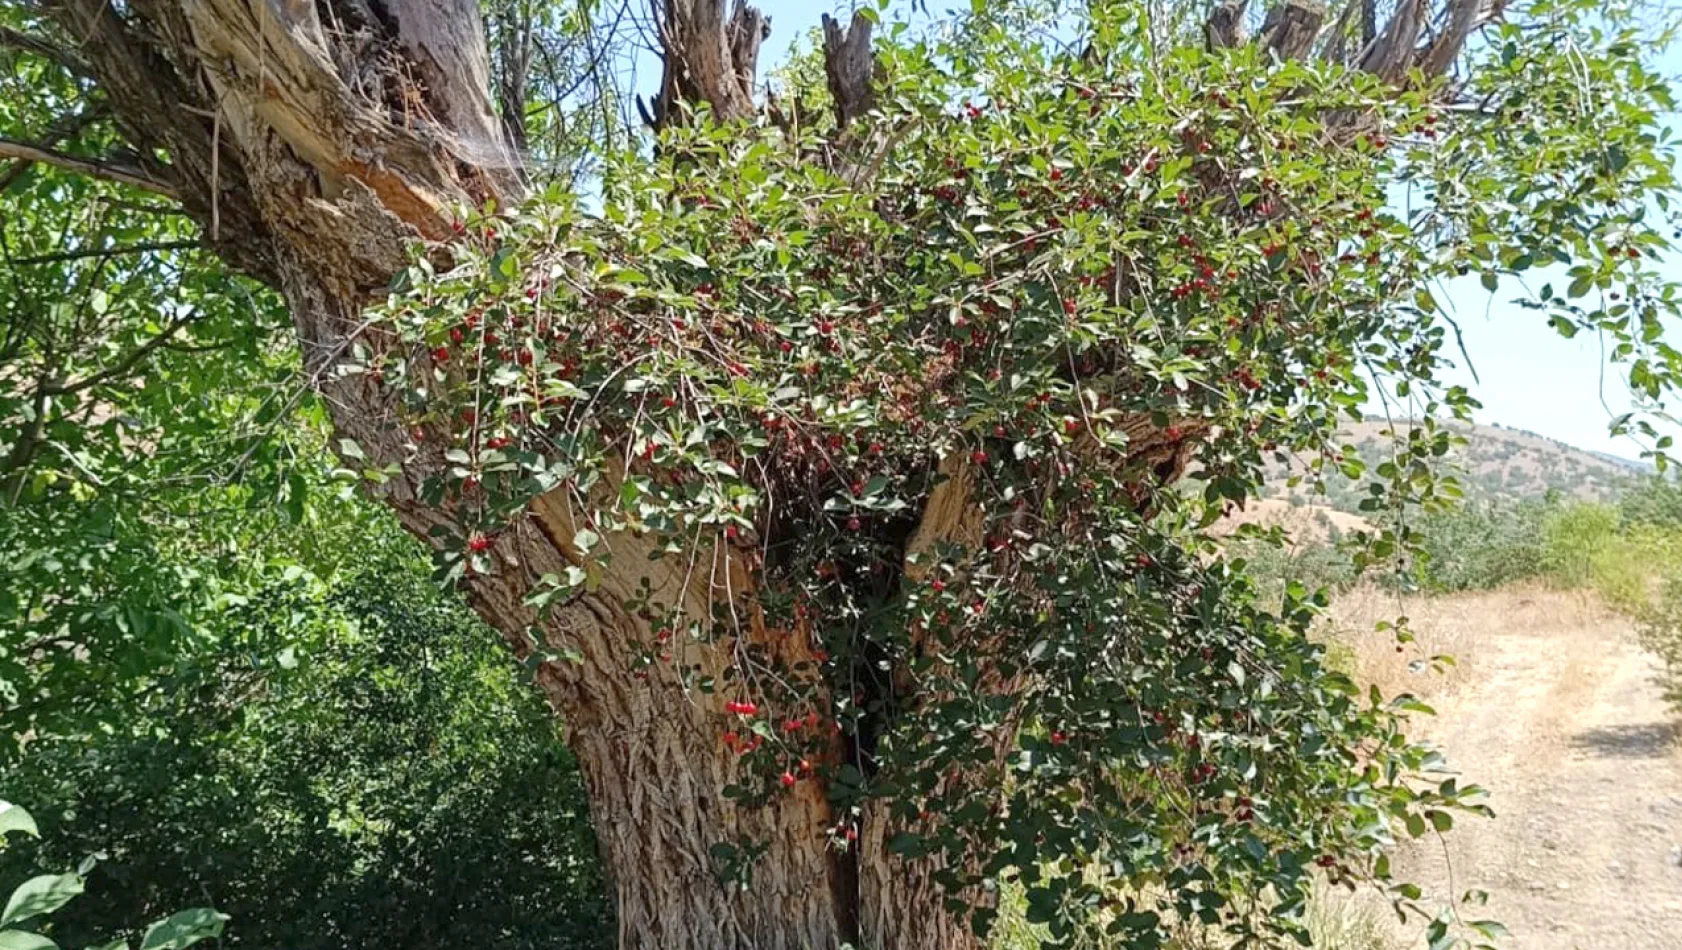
x: 107, y: 170
x: 1390, y: 56
x: 708, y: 58
x: 850, y: 67
x: 1225, y: 26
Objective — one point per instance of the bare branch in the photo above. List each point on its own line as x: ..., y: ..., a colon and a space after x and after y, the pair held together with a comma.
x: 144, y: 248
x: 1292, y: 27
x: 1336, y: 49
x: 1389, y: 56
x: 60, y: 130
x: 708, y: 58
x: 1463, y: 18
x: 41, y: 46
x: 125, y: 364
x: 120, y: 172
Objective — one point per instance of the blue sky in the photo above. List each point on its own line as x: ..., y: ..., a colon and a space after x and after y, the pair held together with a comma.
x: 1528, y: 376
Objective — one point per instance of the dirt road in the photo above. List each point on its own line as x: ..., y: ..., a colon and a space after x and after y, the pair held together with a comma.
x: 1558, y: 716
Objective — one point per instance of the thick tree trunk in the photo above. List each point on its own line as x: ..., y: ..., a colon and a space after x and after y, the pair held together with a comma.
x: 652, y: 751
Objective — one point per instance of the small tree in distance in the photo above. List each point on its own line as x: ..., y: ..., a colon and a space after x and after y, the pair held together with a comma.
x: 831, y: 476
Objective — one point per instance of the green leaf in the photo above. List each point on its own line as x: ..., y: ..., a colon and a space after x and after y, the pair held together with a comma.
x: 40, y: 895
x: 1490, y: 929
x: 183, y: 929
x: 22, y: 940
x: 14, y: 818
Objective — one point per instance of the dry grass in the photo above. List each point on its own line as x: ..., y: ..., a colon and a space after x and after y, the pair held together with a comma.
x: 1452, y: 626
x: 1307, y: 522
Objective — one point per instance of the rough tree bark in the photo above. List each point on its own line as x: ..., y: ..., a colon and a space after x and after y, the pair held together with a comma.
x: 316, y: 141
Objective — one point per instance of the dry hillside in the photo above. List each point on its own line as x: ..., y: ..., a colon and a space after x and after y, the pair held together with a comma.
x: 1495, y: 463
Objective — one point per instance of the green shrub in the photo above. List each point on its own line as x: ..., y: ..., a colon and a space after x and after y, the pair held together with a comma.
x: 1574, y: 539
x: 1660, y: 626
x: 1273, y: 566
x: 398, y: 787
x: 1481, y: 546
x: 1655, y: 501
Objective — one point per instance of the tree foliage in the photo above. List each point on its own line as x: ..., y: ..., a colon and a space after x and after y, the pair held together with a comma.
x: 927, y: 420
x: 385, y: 783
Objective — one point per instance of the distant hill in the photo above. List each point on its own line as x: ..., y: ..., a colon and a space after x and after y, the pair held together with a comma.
x: 1495, y: 464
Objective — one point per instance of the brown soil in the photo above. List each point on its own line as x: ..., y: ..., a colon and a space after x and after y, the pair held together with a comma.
x: 1558, y: 716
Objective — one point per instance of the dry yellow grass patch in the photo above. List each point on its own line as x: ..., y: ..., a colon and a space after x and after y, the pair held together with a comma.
x: 1444, y: 625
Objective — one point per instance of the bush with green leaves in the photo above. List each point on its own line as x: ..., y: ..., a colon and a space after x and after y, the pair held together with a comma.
x: 383, y: 781
x: 1479, y: 546
x: 32, y: 920
x: 1655, y: 501
x: 1660, y: 626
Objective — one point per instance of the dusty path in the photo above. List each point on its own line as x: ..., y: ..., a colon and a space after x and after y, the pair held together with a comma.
x: 1557, y: 715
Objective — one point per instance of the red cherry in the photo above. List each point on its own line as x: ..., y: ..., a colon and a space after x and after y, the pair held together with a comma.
x: 441, y: 354
x: 478, y: 543
x: 938, y: 585
x: 853, y: 524
x: 1069, y: 306
x: 730, y: 532
x: 978, y: 457
x: 788, y: 779
x: 1058, y: 738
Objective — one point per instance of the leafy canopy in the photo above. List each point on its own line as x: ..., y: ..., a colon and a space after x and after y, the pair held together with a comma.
x: 1047, y: 285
